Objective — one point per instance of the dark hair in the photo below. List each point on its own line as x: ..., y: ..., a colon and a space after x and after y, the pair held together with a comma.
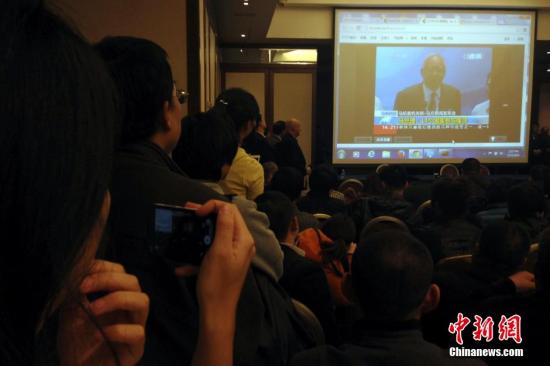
x: 144, y: 81
x: 280, y: 211
x: 450, y: 196
x: 56, y: 140
x: 208, y: 142
x: 505, y: 245
x: 540, y: 175
x: 341, y: 229
x: 497, y: 191
x: 278, y: 128
x: 323, y: 178
x: 373, y: 185
x: 471, y: 166
x: 391, y: 274
x: 393, y: 176
x: 525, y: 200
x: 542, y: 267
x: 288, y: 180
x: 241, y: 106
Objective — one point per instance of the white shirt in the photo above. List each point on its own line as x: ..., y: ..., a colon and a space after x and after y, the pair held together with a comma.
x: 428, y: 96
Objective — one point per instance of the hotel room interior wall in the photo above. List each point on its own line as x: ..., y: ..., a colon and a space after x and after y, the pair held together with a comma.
x: 163, y: 22
x: 316, y: 23
x: 253, y: 82
x: 293, y: 98
x: 434, y: 3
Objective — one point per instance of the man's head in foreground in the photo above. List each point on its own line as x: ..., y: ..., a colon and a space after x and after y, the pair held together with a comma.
x: 392, y: 277
x: 150, y: 108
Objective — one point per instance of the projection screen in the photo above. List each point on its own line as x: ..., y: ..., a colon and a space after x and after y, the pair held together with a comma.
x: 432, y: 86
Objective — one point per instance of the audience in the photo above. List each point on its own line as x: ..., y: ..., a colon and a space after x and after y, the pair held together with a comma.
x: 495, y: 269
x: 497, y: 201
x: 391, y: 203
x: 276, y: 134
x: 303, y: 279
x: 533, y: 309
x: 205, y: 152
x: 331, y: 254
x: 57, y: 113
x: 145, y: 174
x: 476, y: 183
x: 290, y: 182
x: 526, y: 207
x: 246, y: 176
x: 322, y: 180
x: 540, y: 176
x: 341, y: 228
x: 392, y: 282
x: 256, y: 144
x: 453, y: 231
x: 393, y: 181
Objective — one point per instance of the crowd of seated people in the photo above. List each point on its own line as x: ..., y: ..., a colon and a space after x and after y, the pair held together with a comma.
x: 293, y: 275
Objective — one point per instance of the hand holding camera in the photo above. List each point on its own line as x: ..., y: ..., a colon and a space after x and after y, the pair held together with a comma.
x: 220, y: 280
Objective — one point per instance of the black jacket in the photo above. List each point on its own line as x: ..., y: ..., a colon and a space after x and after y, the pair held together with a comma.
x: 256, y: 144
x: 401, y: 345
x: 315, y: 202
x: 412, y: 99
x: 289, y: 153
x: 144, y: 174
x: 305, y: 281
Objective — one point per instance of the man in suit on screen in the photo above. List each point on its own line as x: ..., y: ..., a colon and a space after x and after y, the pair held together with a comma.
x: 431, y: 95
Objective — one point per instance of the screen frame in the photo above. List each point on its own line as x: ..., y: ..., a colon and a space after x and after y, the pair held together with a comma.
x: 427, y: 164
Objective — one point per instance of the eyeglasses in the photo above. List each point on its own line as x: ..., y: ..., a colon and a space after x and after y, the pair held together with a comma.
x: 182, y: 95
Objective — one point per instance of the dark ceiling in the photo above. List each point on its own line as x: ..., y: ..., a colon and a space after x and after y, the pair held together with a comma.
x: 232, y: 19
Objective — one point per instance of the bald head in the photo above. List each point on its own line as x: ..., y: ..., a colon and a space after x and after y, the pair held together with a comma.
x: 433, y: 71
x: 294, y: 127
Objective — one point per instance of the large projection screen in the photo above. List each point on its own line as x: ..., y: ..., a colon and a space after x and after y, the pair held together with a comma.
x: 432, y: 86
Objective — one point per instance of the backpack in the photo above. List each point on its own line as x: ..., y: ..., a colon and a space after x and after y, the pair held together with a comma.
x: 310, y: 241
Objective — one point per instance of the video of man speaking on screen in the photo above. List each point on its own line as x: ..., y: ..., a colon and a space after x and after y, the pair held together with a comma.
x: 435, y: 94
x: 432, y: 85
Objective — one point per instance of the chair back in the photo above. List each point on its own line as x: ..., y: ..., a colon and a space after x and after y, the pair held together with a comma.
x: 321, y: 217
x: 375, y: 223
x: 449, y: 171
x: 449, y: 263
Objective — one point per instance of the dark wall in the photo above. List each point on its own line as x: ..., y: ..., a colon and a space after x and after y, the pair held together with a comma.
x: 322, y: 139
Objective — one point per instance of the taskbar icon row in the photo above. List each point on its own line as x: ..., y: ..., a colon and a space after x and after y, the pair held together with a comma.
x: 425, y: 153
x: 394, y: 154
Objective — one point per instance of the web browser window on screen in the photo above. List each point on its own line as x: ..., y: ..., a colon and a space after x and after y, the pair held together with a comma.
x: 417, y: 86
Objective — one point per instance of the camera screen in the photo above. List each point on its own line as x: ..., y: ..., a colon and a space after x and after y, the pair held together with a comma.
x: 180, y: 235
